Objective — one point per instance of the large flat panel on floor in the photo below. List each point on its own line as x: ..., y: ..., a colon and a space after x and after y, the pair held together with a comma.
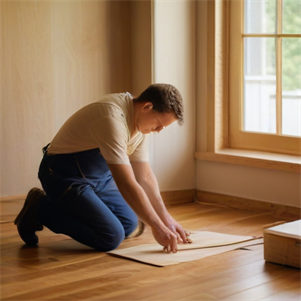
x: 205, y: 243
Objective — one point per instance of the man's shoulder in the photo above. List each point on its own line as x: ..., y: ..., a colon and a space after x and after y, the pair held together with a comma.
x: 115, y: 98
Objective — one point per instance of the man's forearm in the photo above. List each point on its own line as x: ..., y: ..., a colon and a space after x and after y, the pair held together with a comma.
x: 152, y: 191
x: 137, y: 198
x: 149, y: 184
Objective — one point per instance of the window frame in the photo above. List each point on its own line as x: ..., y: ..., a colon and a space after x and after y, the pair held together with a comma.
x: 216, y: 147
x: 238, y: 138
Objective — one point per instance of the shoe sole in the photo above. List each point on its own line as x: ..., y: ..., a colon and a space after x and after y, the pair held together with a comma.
x: 138, y: 231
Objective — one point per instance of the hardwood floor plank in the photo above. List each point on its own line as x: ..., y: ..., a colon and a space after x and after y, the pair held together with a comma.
x: 290, y: 294
x: 170, y: 284
x: 266, y: 288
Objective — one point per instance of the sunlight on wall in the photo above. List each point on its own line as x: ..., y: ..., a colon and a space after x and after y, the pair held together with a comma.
x: 174, y: 63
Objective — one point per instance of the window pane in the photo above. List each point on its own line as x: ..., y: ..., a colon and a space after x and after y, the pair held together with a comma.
x: 291, y: 20
x: 260, y: 85
x: 291, y: 86
x: 260, y: 16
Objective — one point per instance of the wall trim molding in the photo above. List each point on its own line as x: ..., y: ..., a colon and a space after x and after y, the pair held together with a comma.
x: 12, y: 198
x: 234, y: 202
x: 177, y: 197
x: 11, y: 205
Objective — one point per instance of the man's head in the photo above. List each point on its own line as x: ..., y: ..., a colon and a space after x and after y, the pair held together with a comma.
x: 165, y: 98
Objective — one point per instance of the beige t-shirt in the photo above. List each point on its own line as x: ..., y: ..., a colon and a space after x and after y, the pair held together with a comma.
x: 107, y: 125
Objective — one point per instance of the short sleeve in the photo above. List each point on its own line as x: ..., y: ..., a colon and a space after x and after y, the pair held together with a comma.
x: 141, y: 152
x: 111, y: 135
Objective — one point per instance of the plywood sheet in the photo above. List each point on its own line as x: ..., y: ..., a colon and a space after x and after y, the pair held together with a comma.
x: 205, y: 243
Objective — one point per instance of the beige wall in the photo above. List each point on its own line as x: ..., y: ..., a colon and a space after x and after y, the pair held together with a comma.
x: 142, y: 55
x: 273, y: 186
x: 56, y: 56
x: 173, y: 149
x: 61, y: 55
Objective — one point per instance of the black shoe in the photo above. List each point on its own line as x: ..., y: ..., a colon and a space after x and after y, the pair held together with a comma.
x: 26, y: 220
x: 138, y: 231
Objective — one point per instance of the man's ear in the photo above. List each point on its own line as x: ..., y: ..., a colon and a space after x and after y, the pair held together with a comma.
x: 148, y: 106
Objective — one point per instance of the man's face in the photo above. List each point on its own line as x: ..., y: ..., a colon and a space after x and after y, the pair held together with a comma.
x: 150, y: 121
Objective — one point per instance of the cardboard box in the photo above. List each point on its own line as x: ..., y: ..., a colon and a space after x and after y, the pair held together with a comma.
x: 282, y: 244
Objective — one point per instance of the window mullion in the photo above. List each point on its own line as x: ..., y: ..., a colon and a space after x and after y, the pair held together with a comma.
x: 279, y: 85
x: 279, y: 69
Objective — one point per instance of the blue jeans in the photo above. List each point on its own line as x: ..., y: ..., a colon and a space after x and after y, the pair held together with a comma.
x: 83, y: 201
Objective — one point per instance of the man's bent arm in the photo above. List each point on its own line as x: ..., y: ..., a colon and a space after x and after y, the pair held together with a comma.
x: 136, y: 197
x: 146, y: 178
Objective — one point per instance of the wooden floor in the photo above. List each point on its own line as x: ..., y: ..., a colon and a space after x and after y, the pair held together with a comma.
x: 62, y: 269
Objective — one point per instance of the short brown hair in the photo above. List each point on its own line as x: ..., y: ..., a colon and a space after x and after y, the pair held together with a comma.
x: 165, y: 99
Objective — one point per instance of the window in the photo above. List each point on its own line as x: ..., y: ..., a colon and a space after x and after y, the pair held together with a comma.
x: 265, y: 75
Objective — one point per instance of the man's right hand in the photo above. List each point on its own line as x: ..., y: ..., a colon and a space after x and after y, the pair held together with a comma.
x: 166, y: 238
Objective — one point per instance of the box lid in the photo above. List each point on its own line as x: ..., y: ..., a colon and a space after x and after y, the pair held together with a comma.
x: 291, y: 230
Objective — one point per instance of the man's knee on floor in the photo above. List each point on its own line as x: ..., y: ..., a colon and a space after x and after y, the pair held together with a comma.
x: 131, y: 226
x: 111, y: 241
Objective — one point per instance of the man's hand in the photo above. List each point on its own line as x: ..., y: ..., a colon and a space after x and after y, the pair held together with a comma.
x: 166, y: 238
x: 177, y: 229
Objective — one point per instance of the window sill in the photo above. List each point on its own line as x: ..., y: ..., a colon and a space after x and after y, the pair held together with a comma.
x: 253, y: 159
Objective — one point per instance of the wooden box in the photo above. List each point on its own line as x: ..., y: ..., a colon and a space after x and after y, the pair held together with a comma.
x: 282, y: 244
